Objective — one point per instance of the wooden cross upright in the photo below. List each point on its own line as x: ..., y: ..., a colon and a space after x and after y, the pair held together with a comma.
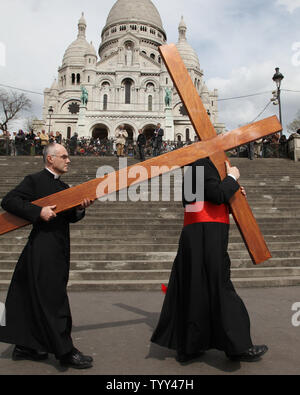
x: 204, y: 128
x: 212, y: 146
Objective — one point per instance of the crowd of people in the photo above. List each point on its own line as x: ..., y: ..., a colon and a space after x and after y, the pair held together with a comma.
x: 31, y: 143
x: 27, y: 143
x: 274, y: 146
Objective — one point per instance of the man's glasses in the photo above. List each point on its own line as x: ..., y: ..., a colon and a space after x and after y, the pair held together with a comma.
x: 64, y: 157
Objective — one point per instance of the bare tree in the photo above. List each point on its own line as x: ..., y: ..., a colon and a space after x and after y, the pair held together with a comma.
x: 12, y: 104
x: 295, y: 124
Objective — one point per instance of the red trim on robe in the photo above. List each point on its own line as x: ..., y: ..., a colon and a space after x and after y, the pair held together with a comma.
x: 206, y: 212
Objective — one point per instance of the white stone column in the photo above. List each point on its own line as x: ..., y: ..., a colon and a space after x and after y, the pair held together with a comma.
x: 169, y: 124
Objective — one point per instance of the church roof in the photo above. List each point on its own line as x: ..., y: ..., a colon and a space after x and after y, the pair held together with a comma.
x: 188, y: 54
x: 91, y: 50
x: 142, y: 11
x: 75, y: 52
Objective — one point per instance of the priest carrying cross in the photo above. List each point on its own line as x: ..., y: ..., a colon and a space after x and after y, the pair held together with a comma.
x: 201, y: 310
x: 38, y: 316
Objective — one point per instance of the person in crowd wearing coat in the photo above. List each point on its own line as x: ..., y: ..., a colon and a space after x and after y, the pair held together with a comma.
x: 121, y: 136
x: 141, y: 142
x: 38, y: 316
x: 157, y: 140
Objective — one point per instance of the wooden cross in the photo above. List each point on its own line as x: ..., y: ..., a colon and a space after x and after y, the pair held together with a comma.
x: 204, y: 128
x: 212, y: 146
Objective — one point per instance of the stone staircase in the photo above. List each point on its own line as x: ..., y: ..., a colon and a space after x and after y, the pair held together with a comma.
x: 131, y: 246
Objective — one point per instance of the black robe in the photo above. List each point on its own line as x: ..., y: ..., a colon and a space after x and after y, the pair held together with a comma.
x: 201, y: 310
x: 37, y: 307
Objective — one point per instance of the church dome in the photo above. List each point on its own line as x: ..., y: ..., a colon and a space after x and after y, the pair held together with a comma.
x: 188, y: 54
x: 141, y: 11
x: 91, y: 50
x: 74, y: 54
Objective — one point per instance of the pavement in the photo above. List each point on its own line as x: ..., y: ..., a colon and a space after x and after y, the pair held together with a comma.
x: 116, y: 327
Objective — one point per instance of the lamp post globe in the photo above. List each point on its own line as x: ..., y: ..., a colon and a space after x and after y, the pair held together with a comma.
x: 50, y: 112
x: 277, y: 78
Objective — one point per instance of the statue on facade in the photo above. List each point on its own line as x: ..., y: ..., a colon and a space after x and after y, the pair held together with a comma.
x: 84, y: 95
x: 168, y: 97
x: 128, y: 55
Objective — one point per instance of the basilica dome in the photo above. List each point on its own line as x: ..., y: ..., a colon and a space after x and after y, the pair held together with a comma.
x: 140, y: 11
x: 74, y: 54
x: 186, y: 51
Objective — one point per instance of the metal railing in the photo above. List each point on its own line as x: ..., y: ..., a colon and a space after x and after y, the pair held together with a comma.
x: 107, y: 147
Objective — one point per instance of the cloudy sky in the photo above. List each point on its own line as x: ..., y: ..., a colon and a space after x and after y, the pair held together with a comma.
x: 239, y: 44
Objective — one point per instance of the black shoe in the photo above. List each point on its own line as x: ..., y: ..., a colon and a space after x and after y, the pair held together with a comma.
x: 23, y: 353
x: 253, y: 354
x: 86, y: 357
x: 182, y: 358
x: 76, y: 360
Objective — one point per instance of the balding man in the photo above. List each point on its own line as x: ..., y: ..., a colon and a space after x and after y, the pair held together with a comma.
x: 38, y: 317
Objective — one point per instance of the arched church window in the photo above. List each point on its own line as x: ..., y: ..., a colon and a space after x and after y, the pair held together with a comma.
x: 89, y: 78
x: 152, y: 56
x: 150, y: 103
x: 128, y: 85
x: 69, y: 131
x: 105, y: 102
x: 73, y: 79
x: 144, y: 52
x: 150, y: 86
x: 187, y: 135
x: 78, y: 78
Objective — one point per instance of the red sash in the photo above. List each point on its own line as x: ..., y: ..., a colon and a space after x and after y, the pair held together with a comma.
x: 206, y: 212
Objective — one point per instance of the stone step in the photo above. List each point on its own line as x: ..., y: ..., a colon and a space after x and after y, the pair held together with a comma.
x: 155, y: 285
x: 148, y: 256
x: 9, y: 264
x: 99, y: 233
x: 115, y: 275
x: 97, y: 247
x: 144, y: 239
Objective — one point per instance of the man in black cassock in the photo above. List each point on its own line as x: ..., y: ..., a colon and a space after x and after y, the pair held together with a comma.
x: 201, y: 310
x: 141, y: 142
x: 38, y: 317
x: 157, y: 140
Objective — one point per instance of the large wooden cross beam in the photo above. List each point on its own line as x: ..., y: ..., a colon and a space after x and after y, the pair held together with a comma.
x: 213, y: 147
x: 204, y: 128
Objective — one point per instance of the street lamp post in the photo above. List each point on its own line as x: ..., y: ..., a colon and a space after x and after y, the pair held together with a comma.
x: 50, y: 112
x: 277, y: 78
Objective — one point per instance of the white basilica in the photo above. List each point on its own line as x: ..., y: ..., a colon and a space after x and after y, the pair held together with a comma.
x: 127, y: 83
